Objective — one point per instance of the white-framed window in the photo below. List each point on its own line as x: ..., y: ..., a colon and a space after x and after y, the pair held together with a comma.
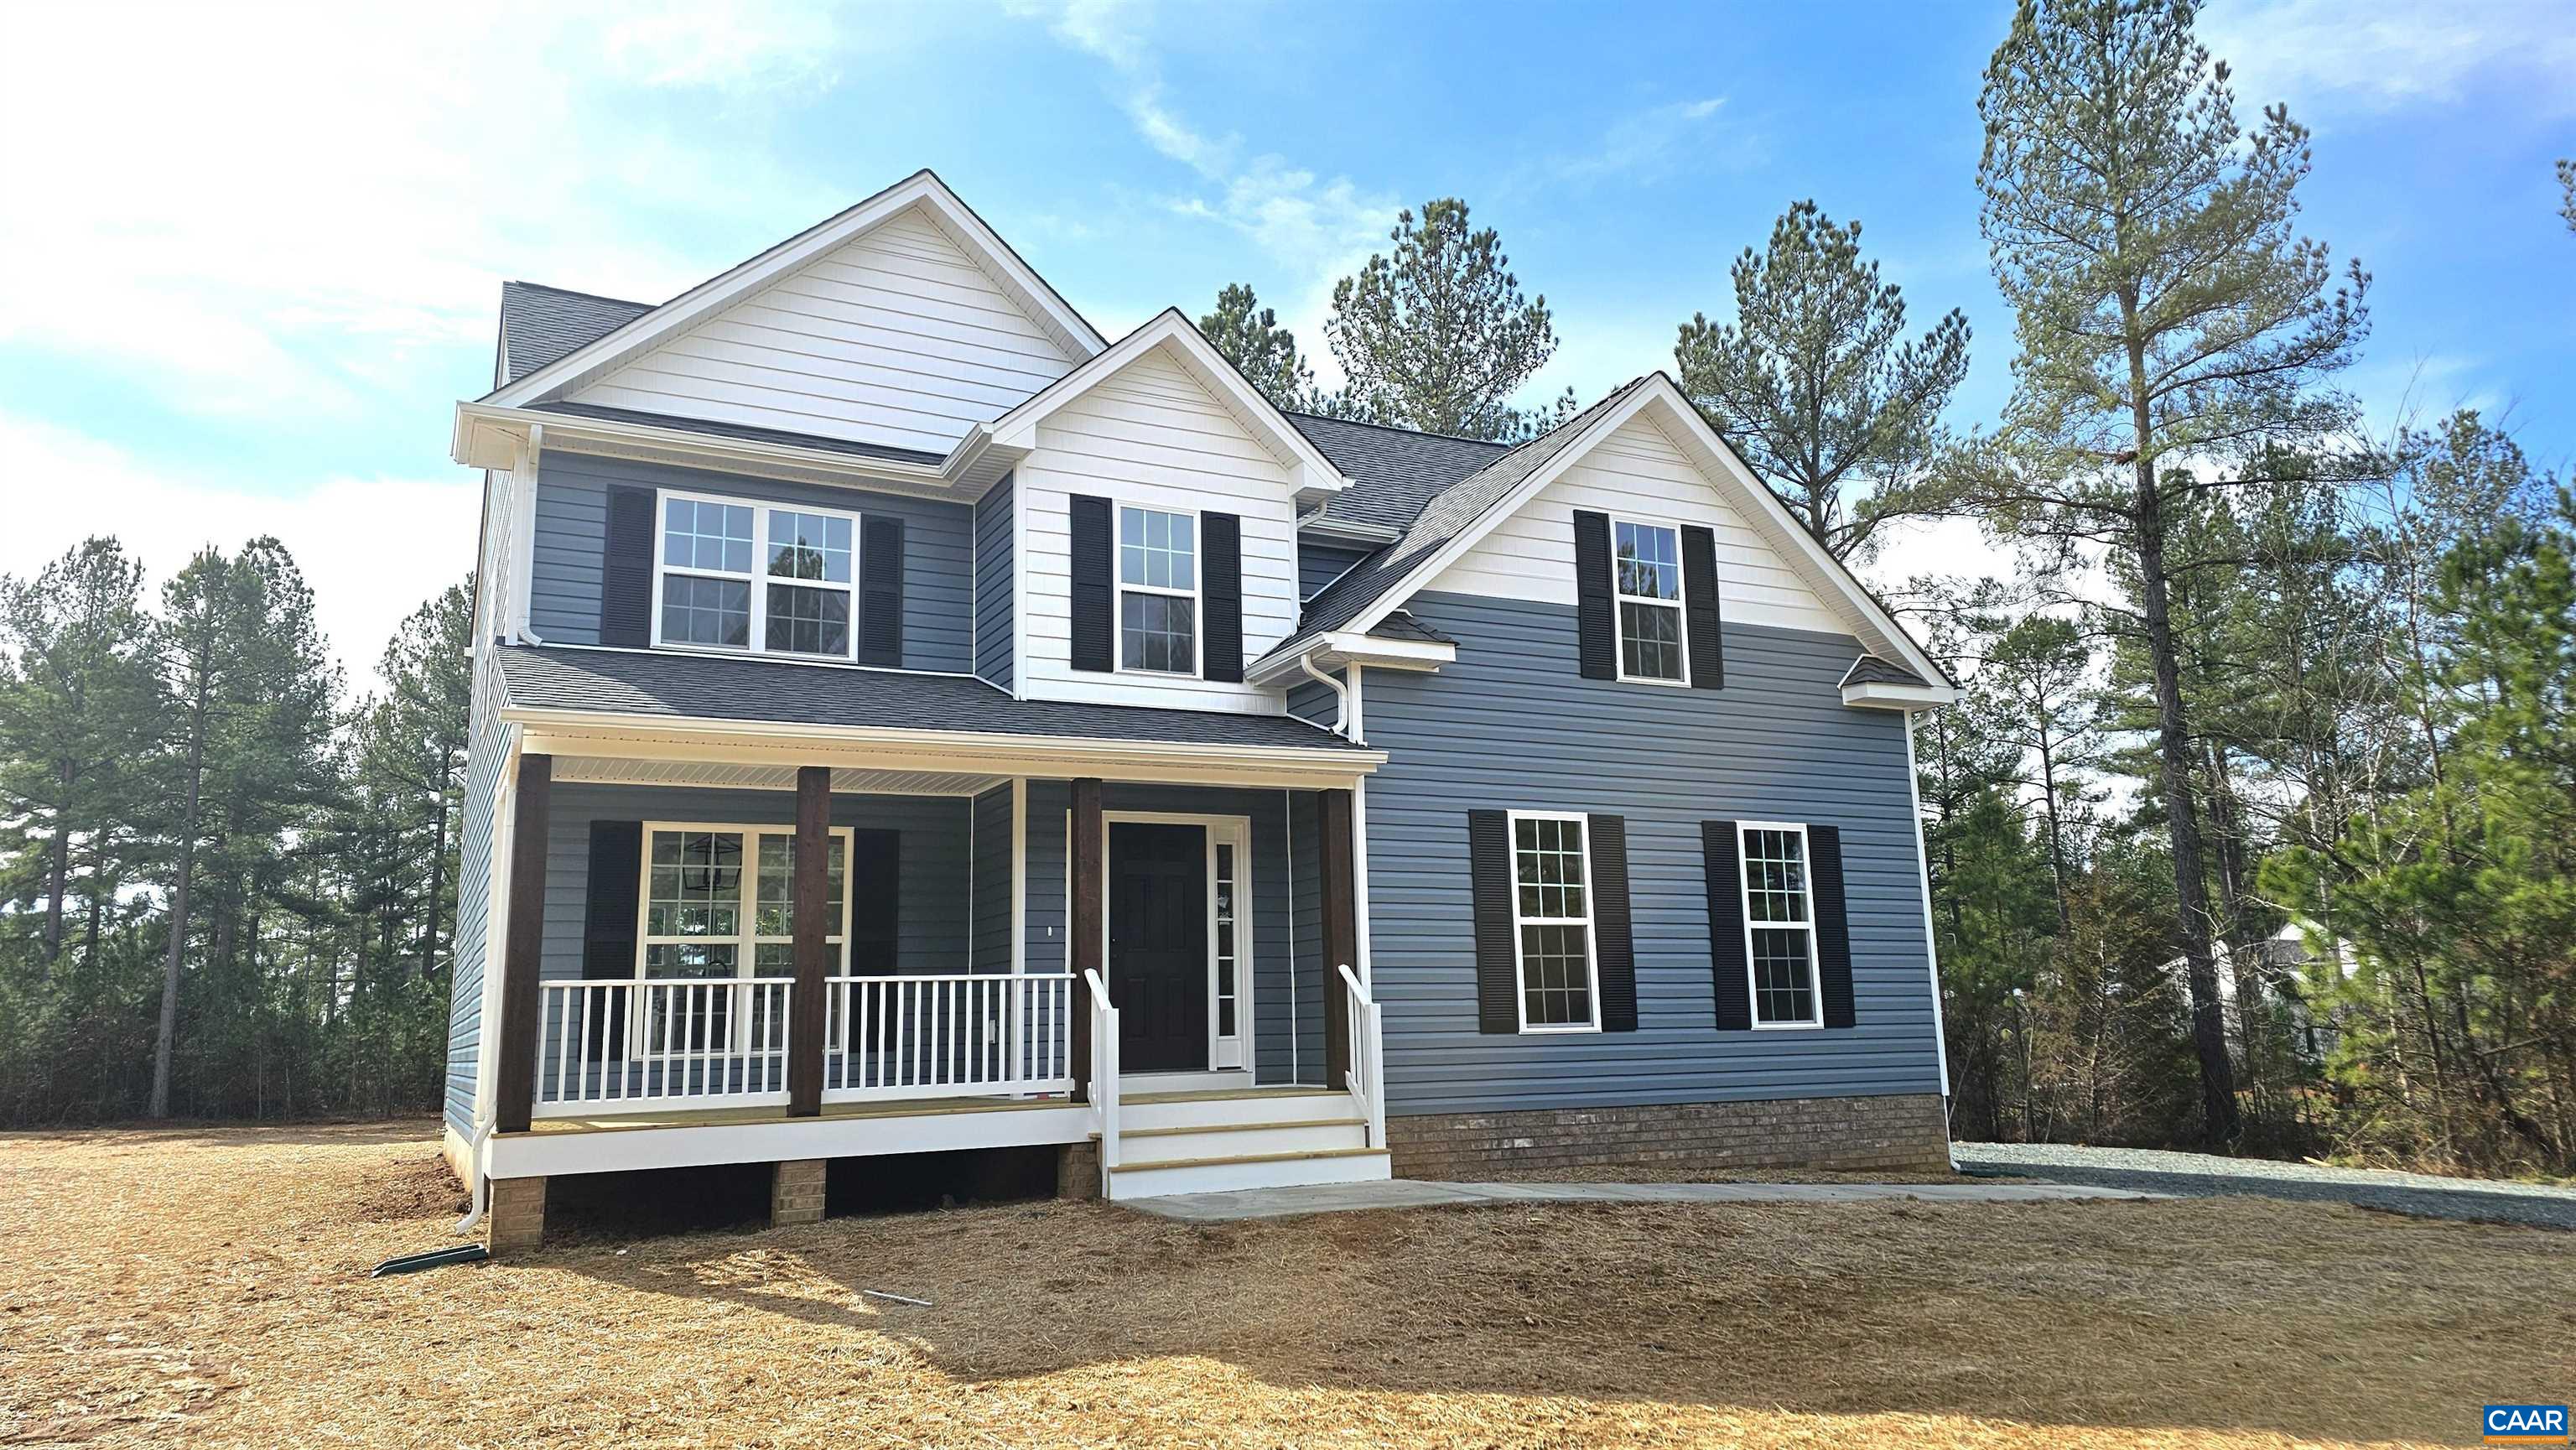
x: 719, y: 901
x: 1779, y: 924
x: 760, y: 578
x: 1646, y: 579
x: 1552, y: 947
x: 1158, y: 591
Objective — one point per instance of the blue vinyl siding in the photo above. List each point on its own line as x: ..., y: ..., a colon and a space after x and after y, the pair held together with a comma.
x: 572, y: 541
x: 1319, y: 564
x: 931, y: 930
x: 992, y: 892
x: 993, y: 595
x: 1513, y: 725
x: 473, y: 901
x: 1272, y: 889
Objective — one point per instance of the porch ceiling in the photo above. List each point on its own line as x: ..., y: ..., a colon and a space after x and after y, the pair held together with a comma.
x: 747, y: 775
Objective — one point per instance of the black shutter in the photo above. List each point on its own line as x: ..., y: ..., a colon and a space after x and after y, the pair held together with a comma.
x: 626, y: 570
x: 1094, y: 639
x: 1498, y: 988
x: 1606, y: 842
x: 1721, y: 853
x: 881, y: 591
x: 1596, y: 622
x: 1833, y: 923
x: 1221, y: 583
x: 608, y: 917
x: 875, y: 884
x: 1700, y: 609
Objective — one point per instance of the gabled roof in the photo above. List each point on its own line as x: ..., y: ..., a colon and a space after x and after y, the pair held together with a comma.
x: 631, y: 337
x: 1383, y: 577
x: 1394, y: 472
x: 1010, y: 436
x: 540, y: 324
x: 1463, y: 513
x: 1871, y: 670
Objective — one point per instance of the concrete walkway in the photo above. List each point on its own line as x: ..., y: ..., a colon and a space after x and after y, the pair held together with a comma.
x: 1420, y: 1193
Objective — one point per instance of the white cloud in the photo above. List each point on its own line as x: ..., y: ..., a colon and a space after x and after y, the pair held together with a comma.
x: 1650, y: 145
x: 297, y: 182
x: 372, y: 548
x: 2330, y: 55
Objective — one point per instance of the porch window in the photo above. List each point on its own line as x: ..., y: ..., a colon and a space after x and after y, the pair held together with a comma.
x: 719, y: 901
x: 1227, y: 999
x: 1158, y: 591
x: 1779, y: 925
x: 1648, y: 571
x: 746, y: 576
x: 1552, y: 924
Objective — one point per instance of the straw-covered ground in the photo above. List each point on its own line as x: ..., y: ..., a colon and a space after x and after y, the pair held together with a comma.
x: 206, y: 1288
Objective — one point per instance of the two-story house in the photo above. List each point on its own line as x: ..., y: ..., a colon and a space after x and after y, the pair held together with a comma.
x: 906, y: 721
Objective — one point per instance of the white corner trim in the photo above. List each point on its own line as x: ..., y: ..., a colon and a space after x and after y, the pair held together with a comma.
x: 725, y: 288
x: 1923, y: 879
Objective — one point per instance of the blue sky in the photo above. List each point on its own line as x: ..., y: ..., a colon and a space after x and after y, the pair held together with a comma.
x: 242, y: 286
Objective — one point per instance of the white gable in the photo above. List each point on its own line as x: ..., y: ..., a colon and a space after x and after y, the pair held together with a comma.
x: 895, y: 337
x: 1151, y: 434
x: 1637, y: 472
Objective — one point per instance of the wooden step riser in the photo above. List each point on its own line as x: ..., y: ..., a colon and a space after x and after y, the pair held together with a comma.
x: 1227, y: 1177
x: 1241, y: 1142
x: 1233, y: 1112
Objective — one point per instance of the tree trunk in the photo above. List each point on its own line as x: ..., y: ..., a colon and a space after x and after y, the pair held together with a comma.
x: 160, y: 1107
x: 58, y: 862
x: 2173, y: 765
x: 437, y: 869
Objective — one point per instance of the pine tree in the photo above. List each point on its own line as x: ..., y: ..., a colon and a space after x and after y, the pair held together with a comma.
x: 1817, y: 386
x: 1250, y: 337
x: 2169, y: 321
x: 1439, y: 336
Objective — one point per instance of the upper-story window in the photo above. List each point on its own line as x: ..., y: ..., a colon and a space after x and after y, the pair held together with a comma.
x: 735, y: 573
x: 1648, y: 569
x: 1158, y: 584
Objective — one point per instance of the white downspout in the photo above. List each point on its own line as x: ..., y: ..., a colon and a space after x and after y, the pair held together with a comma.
x: 1931, y: 953
x: 1345, y: 719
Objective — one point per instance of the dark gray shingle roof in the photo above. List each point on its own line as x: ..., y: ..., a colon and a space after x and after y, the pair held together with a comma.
x: 684, y: 686
x: 540, y: 324
x: 1447, y: 515
x: 737, y: 430
x: 1402, y: 625
x: 1871, y: 670
x: 1394, y: 472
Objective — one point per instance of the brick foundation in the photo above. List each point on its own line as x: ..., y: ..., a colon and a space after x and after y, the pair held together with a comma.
x: 1077, y: 1170
x: 796, y: 1192
x: 1906, y: 1134
x: 515, y: 1217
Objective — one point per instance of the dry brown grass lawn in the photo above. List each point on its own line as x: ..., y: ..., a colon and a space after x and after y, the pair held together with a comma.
x: 204, y: 1288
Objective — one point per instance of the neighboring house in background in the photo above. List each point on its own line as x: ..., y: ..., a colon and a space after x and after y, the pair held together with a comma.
x: 906, y: 721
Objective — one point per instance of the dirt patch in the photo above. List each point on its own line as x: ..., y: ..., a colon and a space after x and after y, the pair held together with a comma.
x: 209, y: 1290
x: 415, y: 1188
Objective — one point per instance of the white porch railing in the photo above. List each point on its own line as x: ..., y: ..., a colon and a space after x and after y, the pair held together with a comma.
x: 1367, y: 1076
x: 1104, y: 1072
x: 702, y: 1042
x: 945, y: 1036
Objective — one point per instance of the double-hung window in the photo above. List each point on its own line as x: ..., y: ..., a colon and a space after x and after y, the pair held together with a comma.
x: 1552, y: 924
x: 1158, y: 581
x: 1647, y: 566
x: 1780, y: 925
x: 719, y: 903
x: 744, y: 576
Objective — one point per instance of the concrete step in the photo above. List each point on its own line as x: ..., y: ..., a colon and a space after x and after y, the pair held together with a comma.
x: 1238, y: 1140
x: 1218, y: 1110
x: 1260, y: 1170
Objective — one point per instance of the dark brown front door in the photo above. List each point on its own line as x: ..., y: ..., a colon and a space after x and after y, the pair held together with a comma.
x: 1158, y: 945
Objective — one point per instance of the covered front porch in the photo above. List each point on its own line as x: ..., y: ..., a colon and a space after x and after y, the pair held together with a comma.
x: 725, y: 948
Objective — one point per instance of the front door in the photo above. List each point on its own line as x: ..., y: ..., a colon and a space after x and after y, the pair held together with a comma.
x: 1158, y: 945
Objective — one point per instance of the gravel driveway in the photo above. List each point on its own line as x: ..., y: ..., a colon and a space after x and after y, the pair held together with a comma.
x: 2155, y: 1171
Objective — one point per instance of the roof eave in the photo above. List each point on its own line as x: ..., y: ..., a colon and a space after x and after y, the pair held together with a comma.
x: 1880, y: 695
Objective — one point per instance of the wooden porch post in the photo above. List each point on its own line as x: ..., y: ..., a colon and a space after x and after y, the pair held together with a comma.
x: 811, y: 899
x: 1083, y: 857
x: 1341, y: 928
x: 514, y: 1086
